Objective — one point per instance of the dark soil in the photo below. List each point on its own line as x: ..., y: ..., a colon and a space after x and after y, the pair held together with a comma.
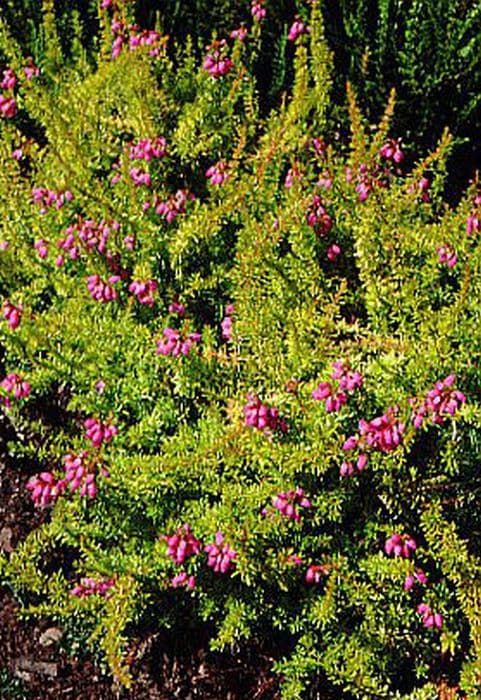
x: 35, y: 663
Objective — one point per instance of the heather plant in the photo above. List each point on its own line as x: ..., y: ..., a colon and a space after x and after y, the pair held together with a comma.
x: 244, y: 379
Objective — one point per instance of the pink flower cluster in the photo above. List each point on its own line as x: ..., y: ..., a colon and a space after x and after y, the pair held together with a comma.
x: 217, y: 63
x: 140, y: 177
x: 182, y: 544
x: 132, y: 35
x: 422, y: 188
x: 144, y: 291
x: 392, y: 151
x: 87, y: 235
x: 298, y: 27
x: 41, y: 246
x: 147, y: 149
x: 446, y: 255
x: 30, y: 69
x: 314, y: 573
x: 441, y: 401
x: 8, y: 104
x: 258, y: 11
x: 176, y: 308
x: 220, y: 555
x: 418, y: 576
x: 240, y: 33
x: 226, y: 323
x: 81, y: 472
x: 400, y: 545
x: 45, y: 488
x: 336, y: 396
x: 317, y: 217
x: 89, y: 586
x: 382, y: 434
x: 292, y: 175
x: 430, y: 619
x: 183, y: 579
x: 48, y: 198
x: 102, y: 291
x: 173, y: 343
x: 14, y: 385
x: 333, y: 252
x: 12, y: 314
x: 172, y: 207
x: 99, y: 431
x: 473, y: 223
x: 263, y: 417
x: 289, y: 502
x: 218, y: 173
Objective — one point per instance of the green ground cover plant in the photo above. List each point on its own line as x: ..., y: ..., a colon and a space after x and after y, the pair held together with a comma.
x: 241, y: 354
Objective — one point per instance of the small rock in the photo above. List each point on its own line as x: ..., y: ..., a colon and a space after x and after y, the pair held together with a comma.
x: 50, y: 636
x: 6, y: 534
x: 24, y: 663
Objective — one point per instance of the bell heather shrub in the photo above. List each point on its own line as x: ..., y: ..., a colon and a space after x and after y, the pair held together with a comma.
x: 189, y: 396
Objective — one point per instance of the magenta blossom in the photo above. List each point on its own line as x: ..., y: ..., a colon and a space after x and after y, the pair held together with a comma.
x: 220, y: 555
x: 298, y: 27
x: 263, y: 417
x: 218, y: 173
x: 98, y: 432
x: 430, y: 619
x: 81, y: 472
x: 314, y: 573
x: 217, y: 63
x: 89, y: 586
x: 45, y: 488
x: 447, y: 256
x: 183, y: 579
x: 289, y: 502
x: 173, y: 343
x: 144, y: 291
x: 12, y: 314
x: 418, y: 576
x: 14, y: 385
x: 182, y: 544
x: 441, y: 401
x: 400, y: 545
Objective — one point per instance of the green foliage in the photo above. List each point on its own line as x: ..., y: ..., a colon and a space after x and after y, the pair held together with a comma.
x: 184, y: 453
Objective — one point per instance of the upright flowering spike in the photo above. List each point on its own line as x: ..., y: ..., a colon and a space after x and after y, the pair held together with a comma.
x: 217, y: 63
x: 220, y: 555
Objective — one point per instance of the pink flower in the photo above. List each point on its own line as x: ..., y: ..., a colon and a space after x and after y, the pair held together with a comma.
x: 239, y: 34
x: 98, y: 431
x: 317, y: 217
x: 447, y: 255
x: 41, y: 247
x: 12, y: 314
x: 258, y: 415
x: 288, y: 503
x: 298, y: 27
x: 400, y: 545
x: 174, y: 206
x: 220, y: 555
x: 9, y: 79
x: 314, y: 573
x: 144, y: 291
x: 8, y: 107
x: 176, y: 308
x: 292, y: 174
x: 217, y: 173
x: 227, y: 323
x: 31, y: 70
x: 89, y: 586
x: 147, y: 149
x: 441, y: 401
x: 45, y: 488
x: 173, y: 343
x: 182, y: 544
x: 183, y: 579
x: 216, y: 62
x: 392, y: 151
x: 102, y: 291
x: 411, y: 579
x: 333, y: 252
x: 81, y: 472
x: 430, y: 619
x: 257, y: 10
x: 14, y: 385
